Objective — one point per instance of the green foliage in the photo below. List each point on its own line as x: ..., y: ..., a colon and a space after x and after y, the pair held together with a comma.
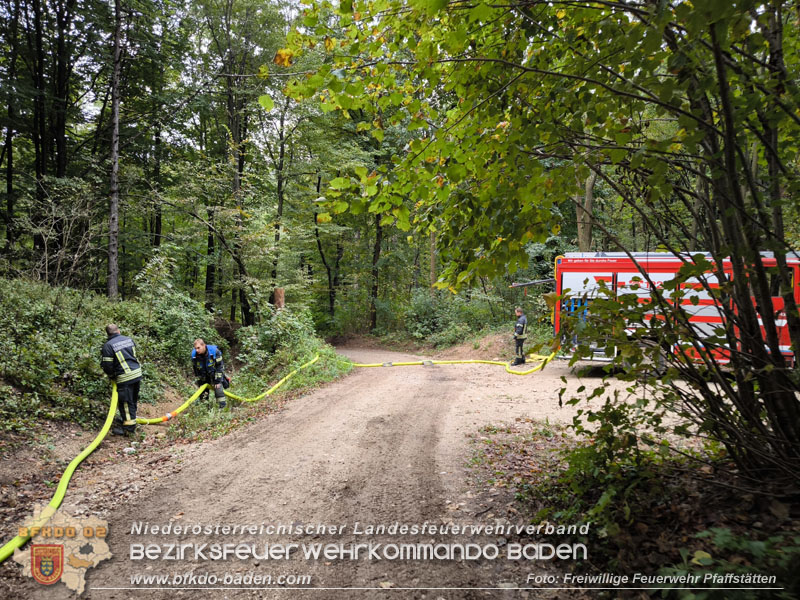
x: 607, y: 479
x: 205, y: 420
x: 57, y: 333
x: 693, y: 142
x: 173, y: 319
x: 279, y: 345
x: 285, y: 328
x: 444, y: 319
x: 454, y: 333
x: 777, y: 556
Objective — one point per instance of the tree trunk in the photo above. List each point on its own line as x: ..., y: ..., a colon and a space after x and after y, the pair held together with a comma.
x: 113, y: 220
x: 280, y: 298
x: 211, y: 263
x: 376, y: 256
x: 9, y: 143
x: 156, y: 239
x: 433, y: 259
x: 63, y: 68
x: 337, y: 278
x: 280, y: 183
x: 39, y: 132
x: 584, y: 209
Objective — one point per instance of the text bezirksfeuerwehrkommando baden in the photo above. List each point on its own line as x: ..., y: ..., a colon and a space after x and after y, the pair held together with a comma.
x: 238, y: 549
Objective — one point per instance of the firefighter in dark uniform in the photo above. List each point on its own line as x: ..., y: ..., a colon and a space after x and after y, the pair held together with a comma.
x: 118, y: 359
x: 520, y: 334
x: 208, y: 368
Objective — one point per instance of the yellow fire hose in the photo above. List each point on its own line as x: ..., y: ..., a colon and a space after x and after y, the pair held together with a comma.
x: 544, y: 360
x: 8, y: 549
x: 276, y: 386
x: 177, y: 411
x: 61, y: 490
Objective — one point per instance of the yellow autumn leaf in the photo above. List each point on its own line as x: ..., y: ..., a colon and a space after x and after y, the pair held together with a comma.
x: 283, y: 57
x: 329, y: 44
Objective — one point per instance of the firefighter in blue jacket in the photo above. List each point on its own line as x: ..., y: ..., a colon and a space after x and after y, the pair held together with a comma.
x: 118, y: 360
x: 209, y: 368
x: 520, y: 335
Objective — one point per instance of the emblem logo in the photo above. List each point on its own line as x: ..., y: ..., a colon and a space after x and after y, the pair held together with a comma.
x: 47, y: 562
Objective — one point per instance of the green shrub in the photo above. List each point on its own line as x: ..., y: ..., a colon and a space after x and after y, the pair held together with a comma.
x: 452, y: 334
x: 778, y: 555
x: 55, y: 335
x: 444, y: 319
x: 258, y: 344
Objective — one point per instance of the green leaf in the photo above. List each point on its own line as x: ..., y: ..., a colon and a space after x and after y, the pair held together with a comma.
x: 266, y: 102
x: 339, y: 183
x: 481, y: 12
x: 617, y: 155
x: 435, y: 6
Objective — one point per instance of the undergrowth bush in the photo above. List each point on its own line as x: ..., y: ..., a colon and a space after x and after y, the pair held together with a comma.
x: 729, y: 553
x: 53, y: 338
x: 445, y: 319
x: 280, y: 344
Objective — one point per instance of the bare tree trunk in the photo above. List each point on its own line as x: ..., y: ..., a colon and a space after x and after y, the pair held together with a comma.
x: 585, y: 212
x: 376, y: 256
x: 113, y: 219
x: 433, y: 259
x: 9, y: 144
x: 211, y: 264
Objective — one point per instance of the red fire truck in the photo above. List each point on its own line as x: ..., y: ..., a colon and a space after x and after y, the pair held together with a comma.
x: 578, y: 276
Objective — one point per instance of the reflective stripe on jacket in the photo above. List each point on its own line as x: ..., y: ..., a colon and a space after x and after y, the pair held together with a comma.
x: 118, y: 359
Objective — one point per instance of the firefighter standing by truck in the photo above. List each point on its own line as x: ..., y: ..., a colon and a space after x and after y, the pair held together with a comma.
x: 119, y: 362
x: 520, y: 335
x: 208, y: 368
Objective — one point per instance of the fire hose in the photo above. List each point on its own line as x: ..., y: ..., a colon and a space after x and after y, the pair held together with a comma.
x: 17, y: 542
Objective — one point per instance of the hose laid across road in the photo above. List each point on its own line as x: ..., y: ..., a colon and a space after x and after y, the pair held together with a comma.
x: 543, y: 361
x: 8, y: 549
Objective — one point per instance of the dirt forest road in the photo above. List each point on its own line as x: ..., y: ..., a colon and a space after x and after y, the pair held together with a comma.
x: 380, y: 446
